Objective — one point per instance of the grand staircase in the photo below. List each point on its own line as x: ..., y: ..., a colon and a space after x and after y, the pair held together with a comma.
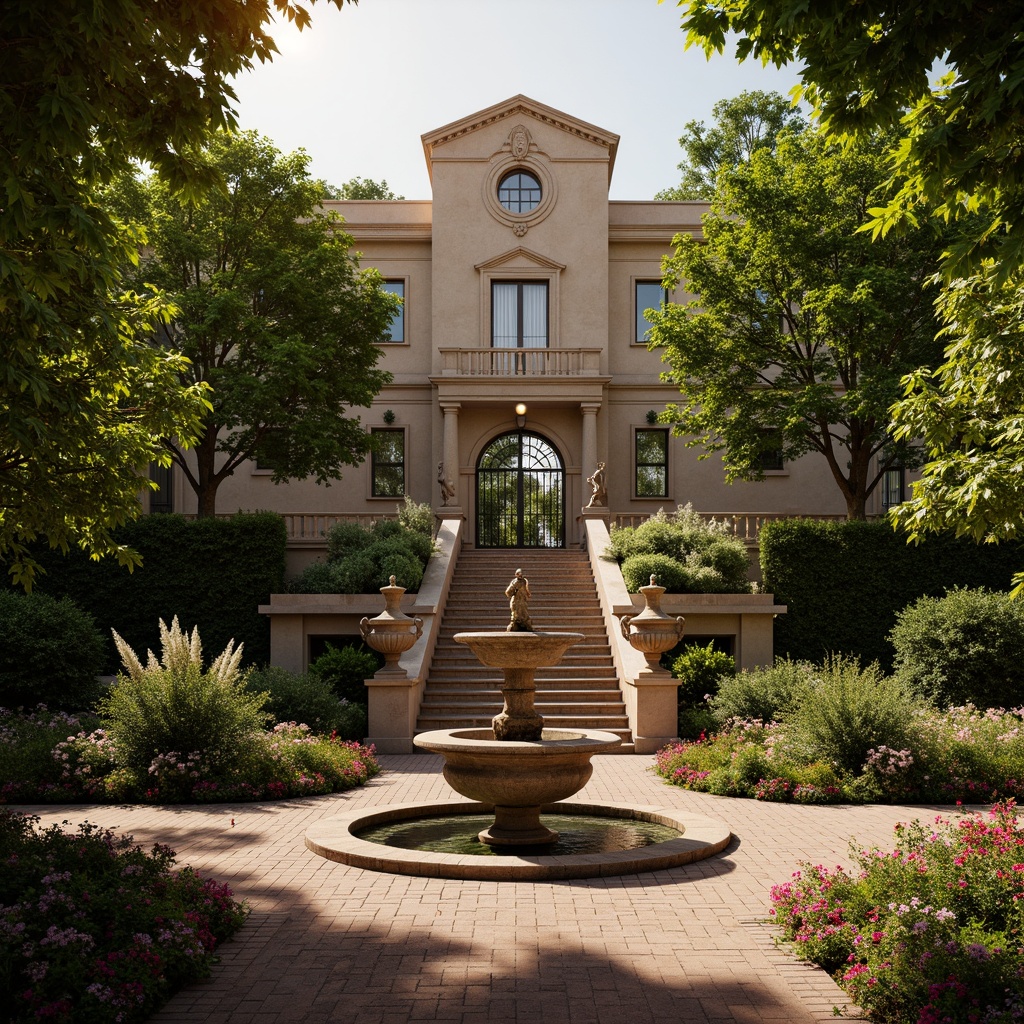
x: 581, y: 692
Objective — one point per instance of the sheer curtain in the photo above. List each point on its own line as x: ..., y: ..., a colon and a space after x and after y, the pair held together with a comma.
x: 519, y: 314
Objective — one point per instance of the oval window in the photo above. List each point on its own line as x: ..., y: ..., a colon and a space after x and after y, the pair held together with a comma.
x: 519, y: 192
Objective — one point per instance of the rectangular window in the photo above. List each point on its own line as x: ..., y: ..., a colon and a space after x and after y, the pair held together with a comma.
x: 649, y: 295
x: 651, y: 463
x: 388, y: 462
x: 273, y: 449
x: 771, y: 458
x: 162, y: 499
x: 519, y: 314
x: 892, y: 488
x: 396, y: 332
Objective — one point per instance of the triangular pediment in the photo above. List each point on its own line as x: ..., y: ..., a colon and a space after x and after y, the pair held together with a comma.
x: 518, y: 257
x: 521, y: 107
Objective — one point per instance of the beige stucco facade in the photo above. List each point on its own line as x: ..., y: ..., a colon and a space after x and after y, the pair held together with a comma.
x: 587, y: 390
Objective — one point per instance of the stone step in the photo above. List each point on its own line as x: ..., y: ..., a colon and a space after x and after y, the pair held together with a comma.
x: 578, y: 698
x: 581, y: 692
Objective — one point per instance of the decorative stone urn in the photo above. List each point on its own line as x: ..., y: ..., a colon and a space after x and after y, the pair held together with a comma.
x: 392, y: 632
x: 652, y: 632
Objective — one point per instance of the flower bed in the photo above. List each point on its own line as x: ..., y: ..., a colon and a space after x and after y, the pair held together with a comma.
x: 961, y: 754
x: 53, y: 757
x: 93, y: 929
x: 930, y: 932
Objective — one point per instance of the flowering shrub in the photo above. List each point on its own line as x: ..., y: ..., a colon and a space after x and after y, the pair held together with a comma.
x: 285, y: 762
x: 93, y: 929
x: 931, y: 932
x: 941, y: 757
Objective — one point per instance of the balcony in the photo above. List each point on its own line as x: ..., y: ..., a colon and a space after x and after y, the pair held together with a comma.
x: 520, y: 362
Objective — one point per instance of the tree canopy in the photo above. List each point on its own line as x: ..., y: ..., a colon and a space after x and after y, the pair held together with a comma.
x: 870, y: 65
x: 743, y: 125
x: 801, y: 327
x: 273, y: 314
x: 85, y: 89
x: 366, y: 188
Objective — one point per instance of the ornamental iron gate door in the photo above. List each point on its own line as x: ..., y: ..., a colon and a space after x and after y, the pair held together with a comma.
x: 520, y: 494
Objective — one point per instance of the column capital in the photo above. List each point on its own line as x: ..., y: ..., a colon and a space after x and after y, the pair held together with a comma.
x: 450, y: 407
x: 591, y: 408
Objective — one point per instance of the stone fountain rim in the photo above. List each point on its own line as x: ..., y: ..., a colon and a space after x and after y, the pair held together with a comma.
x: 482, y: 741
x: 334, y: 840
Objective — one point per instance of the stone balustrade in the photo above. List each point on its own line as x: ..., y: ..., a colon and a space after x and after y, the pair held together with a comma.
x: 520, y: 362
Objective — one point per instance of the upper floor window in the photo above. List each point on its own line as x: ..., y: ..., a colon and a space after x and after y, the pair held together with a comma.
x: 519, y: 314
x: 651, y: 463
x: 396, y: 332
x: 770, y: 459
x: 388, y: 462
x: 519, y: 192
x: 649, y: 295
x: 273, y: 449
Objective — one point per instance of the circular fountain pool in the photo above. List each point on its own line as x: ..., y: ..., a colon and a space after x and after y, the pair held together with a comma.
x: 618, y: 839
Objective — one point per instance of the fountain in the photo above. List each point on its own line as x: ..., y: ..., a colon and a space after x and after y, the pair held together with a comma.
x: 516, y: 771
x: 517, y: 765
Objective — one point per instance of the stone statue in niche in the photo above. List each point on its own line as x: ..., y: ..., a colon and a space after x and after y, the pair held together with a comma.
x: 519, y: 141
x: 447, y: 487
x: 599, y: 497
x: 518, y: 593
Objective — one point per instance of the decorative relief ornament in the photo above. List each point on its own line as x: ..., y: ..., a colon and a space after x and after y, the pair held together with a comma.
x: 519, y: 141
x: 519, y: 230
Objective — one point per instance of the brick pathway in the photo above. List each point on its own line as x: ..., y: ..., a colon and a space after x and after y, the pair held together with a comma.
x: 326, y: 942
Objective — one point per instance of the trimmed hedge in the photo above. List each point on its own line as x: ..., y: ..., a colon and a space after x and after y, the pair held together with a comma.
x: 845, y: 582
x: 211, y: 573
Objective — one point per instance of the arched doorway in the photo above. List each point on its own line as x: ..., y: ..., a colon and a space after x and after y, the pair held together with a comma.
x: 520, y: 493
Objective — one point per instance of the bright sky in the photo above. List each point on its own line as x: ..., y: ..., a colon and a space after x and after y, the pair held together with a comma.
x: 360, y: 87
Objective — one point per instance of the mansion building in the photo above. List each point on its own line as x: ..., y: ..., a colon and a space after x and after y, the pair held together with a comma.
x: 519, y: 356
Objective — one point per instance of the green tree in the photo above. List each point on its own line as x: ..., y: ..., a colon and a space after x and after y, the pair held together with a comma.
x: 968, y: 416
x: 867, y: 66
x: 84, y: 90
x: 959, y: 159
x: 273, y: 313
x: 365, y: 188
x: 743, y: 125
x: 802, y: 327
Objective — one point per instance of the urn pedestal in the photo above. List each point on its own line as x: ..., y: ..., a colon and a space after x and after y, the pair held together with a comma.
x: 392, y: 632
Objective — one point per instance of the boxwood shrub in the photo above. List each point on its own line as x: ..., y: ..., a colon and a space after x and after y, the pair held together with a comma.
x: 50, y: 652
x: 687, y: 554
x: 361, y: 561
x: 964, y: 648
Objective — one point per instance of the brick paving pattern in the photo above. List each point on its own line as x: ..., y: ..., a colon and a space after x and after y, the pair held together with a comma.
x: 330, y: 943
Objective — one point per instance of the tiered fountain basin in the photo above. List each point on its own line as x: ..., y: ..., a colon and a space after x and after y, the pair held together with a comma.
x: 517, y: 778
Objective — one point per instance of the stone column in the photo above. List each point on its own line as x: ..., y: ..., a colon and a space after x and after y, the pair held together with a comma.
x: 589, y: 411
x: 451, y: 451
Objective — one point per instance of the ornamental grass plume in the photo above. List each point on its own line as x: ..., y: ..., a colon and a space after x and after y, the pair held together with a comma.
x: 171, y: 704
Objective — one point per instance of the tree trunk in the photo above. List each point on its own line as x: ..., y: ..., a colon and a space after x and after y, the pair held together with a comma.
x: 856, y: 506
x: 207, y: 505
x: 206, y: 475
